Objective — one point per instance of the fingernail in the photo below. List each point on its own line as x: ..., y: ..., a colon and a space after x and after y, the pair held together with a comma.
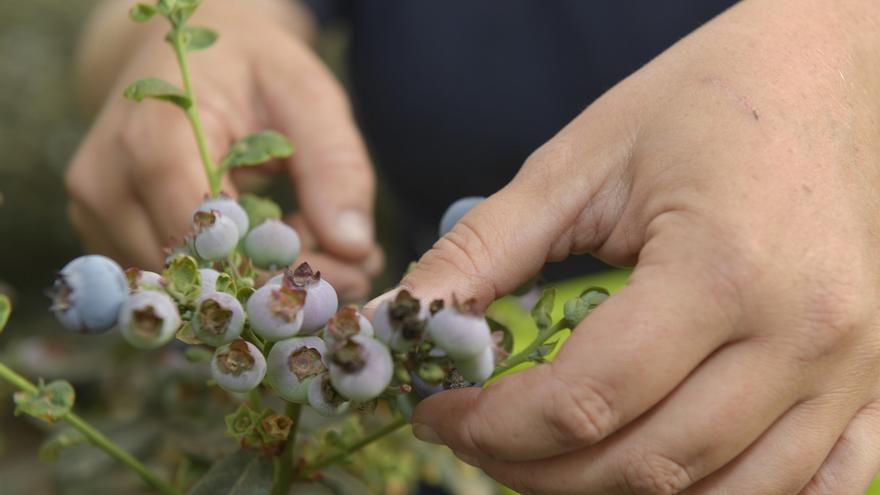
x: 426, y: 434
x: 353, y: 227
x: 473, y: 461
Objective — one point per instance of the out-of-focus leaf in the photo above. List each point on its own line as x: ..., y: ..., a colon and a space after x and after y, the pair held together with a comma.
x: 184, y: 279
x: 195, y: 38
x: 5, y: 311
x: 142, y: 12
x: 197, y: 355
x: 51, y: 448
x: 244, y: 472
x: 158, y: 89
x: 257, y: 148
x: 50, y: 402
x: 542, y: 313
x: 259, y: 209
x: 575, y: 310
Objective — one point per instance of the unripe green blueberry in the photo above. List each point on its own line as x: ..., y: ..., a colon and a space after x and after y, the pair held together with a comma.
x: 347, y: 322
x: 230, y: 208
x: 88, y: 293
x: 477, y: 369
x: 293, y: 364
x: 276, y: 311
x: 149, y: 319
x: 272, y: 244
x: 144, y: 280
x: 324, y: 398
x: 456, y: 211
x: 216, y: 235
x: 462, y: 334
x: 218, y: 318
x: 238, y: 366
x: 360, y: 368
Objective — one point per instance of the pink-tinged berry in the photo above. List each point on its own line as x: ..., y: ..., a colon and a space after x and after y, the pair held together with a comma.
x: 360, y: 368
x: 346, y: 323
x: 229, y: 208
x: 218, y: 318
x: 324, y: 399
x: 272, y: 244
x: 149, y: 319
x: 238, y: 366
x: 321, y: 299
x: 276, y: 311
x: 293, y: 364
x: 460, y: 332
x: 88, y: 293
x: 215, y: 235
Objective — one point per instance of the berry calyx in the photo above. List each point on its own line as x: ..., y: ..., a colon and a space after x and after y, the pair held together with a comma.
x: 292, y: 364
x: 149, y: 319
x: 218, y: 318
x: 238, y: 366
x: 276, y: 312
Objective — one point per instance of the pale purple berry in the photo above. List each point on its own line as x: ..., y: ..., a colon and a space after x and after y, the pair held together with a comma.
x: 218, y: 318
x: 324, y: 398
x: 215, y: 237
x: 477, y: 369
x: 360, y: 368
x: 293, y: 364
x: 238, y: 366
x: 149, y: 319
x: 276, y: 311
x: 144, y: 280
x: 321, y: 299
x: 272, y: 244
x: 400, y: 322
x: 456, y: 211
x: 88, y: 293
x: 230, y: 208
x: 460, y: 332
x: 346, y: 323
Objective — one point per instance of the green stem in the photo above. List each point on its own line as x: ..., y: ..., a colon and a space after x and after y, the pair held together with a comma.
x: 526, y: 354
x: 192, y: 112
x: 284, y: 463
x: 97, y: 438
x: 354, y: 447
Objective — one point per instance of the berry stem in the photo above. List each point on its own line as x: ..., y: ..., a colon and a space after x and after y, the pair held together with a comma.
x: 526, y: 354
x: 96, y: 438
x: 284, y: 463
x: 320, y: 464
x: 192, y: 113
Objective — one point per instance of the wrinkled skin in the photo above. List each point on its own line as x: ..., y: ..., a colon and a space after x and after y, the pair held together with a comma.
x: 738, y: 172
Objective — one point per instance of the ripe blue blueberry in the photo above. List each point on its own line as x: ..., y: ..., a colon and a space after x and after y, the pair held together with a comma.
x: 238, y: 366
x: 293, y: 364
x: 276, y: 311
x: 227, y: 207
x: 272, y: 244
x: 400, y: 323
x: 321, y: 300
x: 460, y: 332
x: 324, y: 398
x: 149, y: 319
x: 88, y: 293
x: 144, y: 280
x: 347, y: 322
x: 360, y: 368
x: 216, y: 235
x: 477, y: 369
x: 456, y: 211
x: 218, y: 318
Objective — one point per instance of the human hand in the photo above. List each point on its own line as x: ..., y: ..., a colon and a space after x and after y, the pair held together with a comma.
x: 738, y: 172
x: 138, y: 172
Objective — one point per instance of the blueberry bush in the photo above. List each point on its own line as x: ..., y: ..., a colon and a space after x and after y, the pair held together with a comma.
x: 263, y: 340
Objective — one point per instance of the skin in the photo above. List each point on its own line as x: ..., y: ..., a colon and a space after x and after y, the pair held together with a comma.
x: 137, y: 175
x: 738, y: 173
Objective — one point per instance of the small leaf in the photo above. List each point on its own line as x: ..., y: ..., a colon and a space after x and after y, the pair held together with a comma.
x: 259, y: 209
x: 256, y: 149
x: 542, y: 312
x: 182, y: 11
x: 575, y: 310
x: 184, y: 280
x: 142, y: 12
x: 51, y: 448
x: 166, y: 6
x: 225, y: 283
x: 244, y: 294
x: 158, y: 89
x: 5, y: 311
x: 197, y: 355
x: 243, y: 472
x: 186, y: 334
x: 50, y: 403
x: 197, y: 38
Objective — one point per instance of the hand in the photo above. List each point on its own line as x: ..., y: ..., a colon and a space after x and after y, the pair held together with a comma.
x: 137, y: 176
x: 739, y: 173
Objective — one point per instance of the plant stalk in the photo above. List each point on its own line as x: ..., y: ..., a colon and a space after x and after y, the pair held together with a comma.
x: 525, y: 354
x: 354, y: 447
x: 284, y: 463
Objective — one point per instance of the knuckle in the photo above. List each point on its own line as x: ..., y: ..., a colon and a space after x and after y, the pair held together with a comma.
x: 653, y: 474
x: 833, y: 317
x: 464, y: 250
x: 581, y: 412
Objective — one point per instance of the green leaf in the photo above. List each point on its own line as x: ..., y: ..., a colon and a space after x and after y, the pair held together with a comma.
x: 244, y: 294
x: 196, y: 38
x: 187, y: 335
x: 244, y: 472
x: 225, y: 283
x: 142, y: 12
x: 543, y: 309
x: 50, y: 402
x: 182, y: 11
x: 184, y: 280
x: 259, y: 209
x: 5, y: 311
x: 575, y: 310
x: 51, y: 448
x: 256, y: 149
x: 158, y: 89
x: 166, y: 6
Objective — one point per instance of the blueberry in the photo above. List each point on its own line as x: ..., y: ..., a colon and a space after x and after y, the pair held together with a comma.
x: 477, y: 369
x: 424, y: 388
x: 360, y: 368
x: 218, y: 318
x: 238, y: 366
x: 272, y: 244
x: 227, y: 207
x: 276, y: 311
x: 400, y: 323
x: 149, y: 319
x: 216, y: 235
x: 321, y: 300
x: 208, y: 277
x: 143, y: 280
x: 459, y: 332
x: 324, y: 398
x: 293, y: 364
x: 456, y: 211
x: 346, y: 323
x: 88, y: 293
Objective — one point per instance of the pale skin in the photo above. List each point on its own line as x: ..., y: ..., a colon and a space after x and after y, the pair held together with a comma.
x: 137, y: 176
x: 738, y: 173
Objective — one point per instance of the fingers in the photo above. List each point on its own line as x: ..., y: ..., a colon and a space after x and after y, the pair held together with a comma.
x: 626, y: 357
x: 331, y: 170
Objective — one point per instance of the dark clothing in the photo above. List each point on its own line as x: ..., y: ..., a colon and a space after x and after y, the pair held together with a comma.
x: 453, y: 95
